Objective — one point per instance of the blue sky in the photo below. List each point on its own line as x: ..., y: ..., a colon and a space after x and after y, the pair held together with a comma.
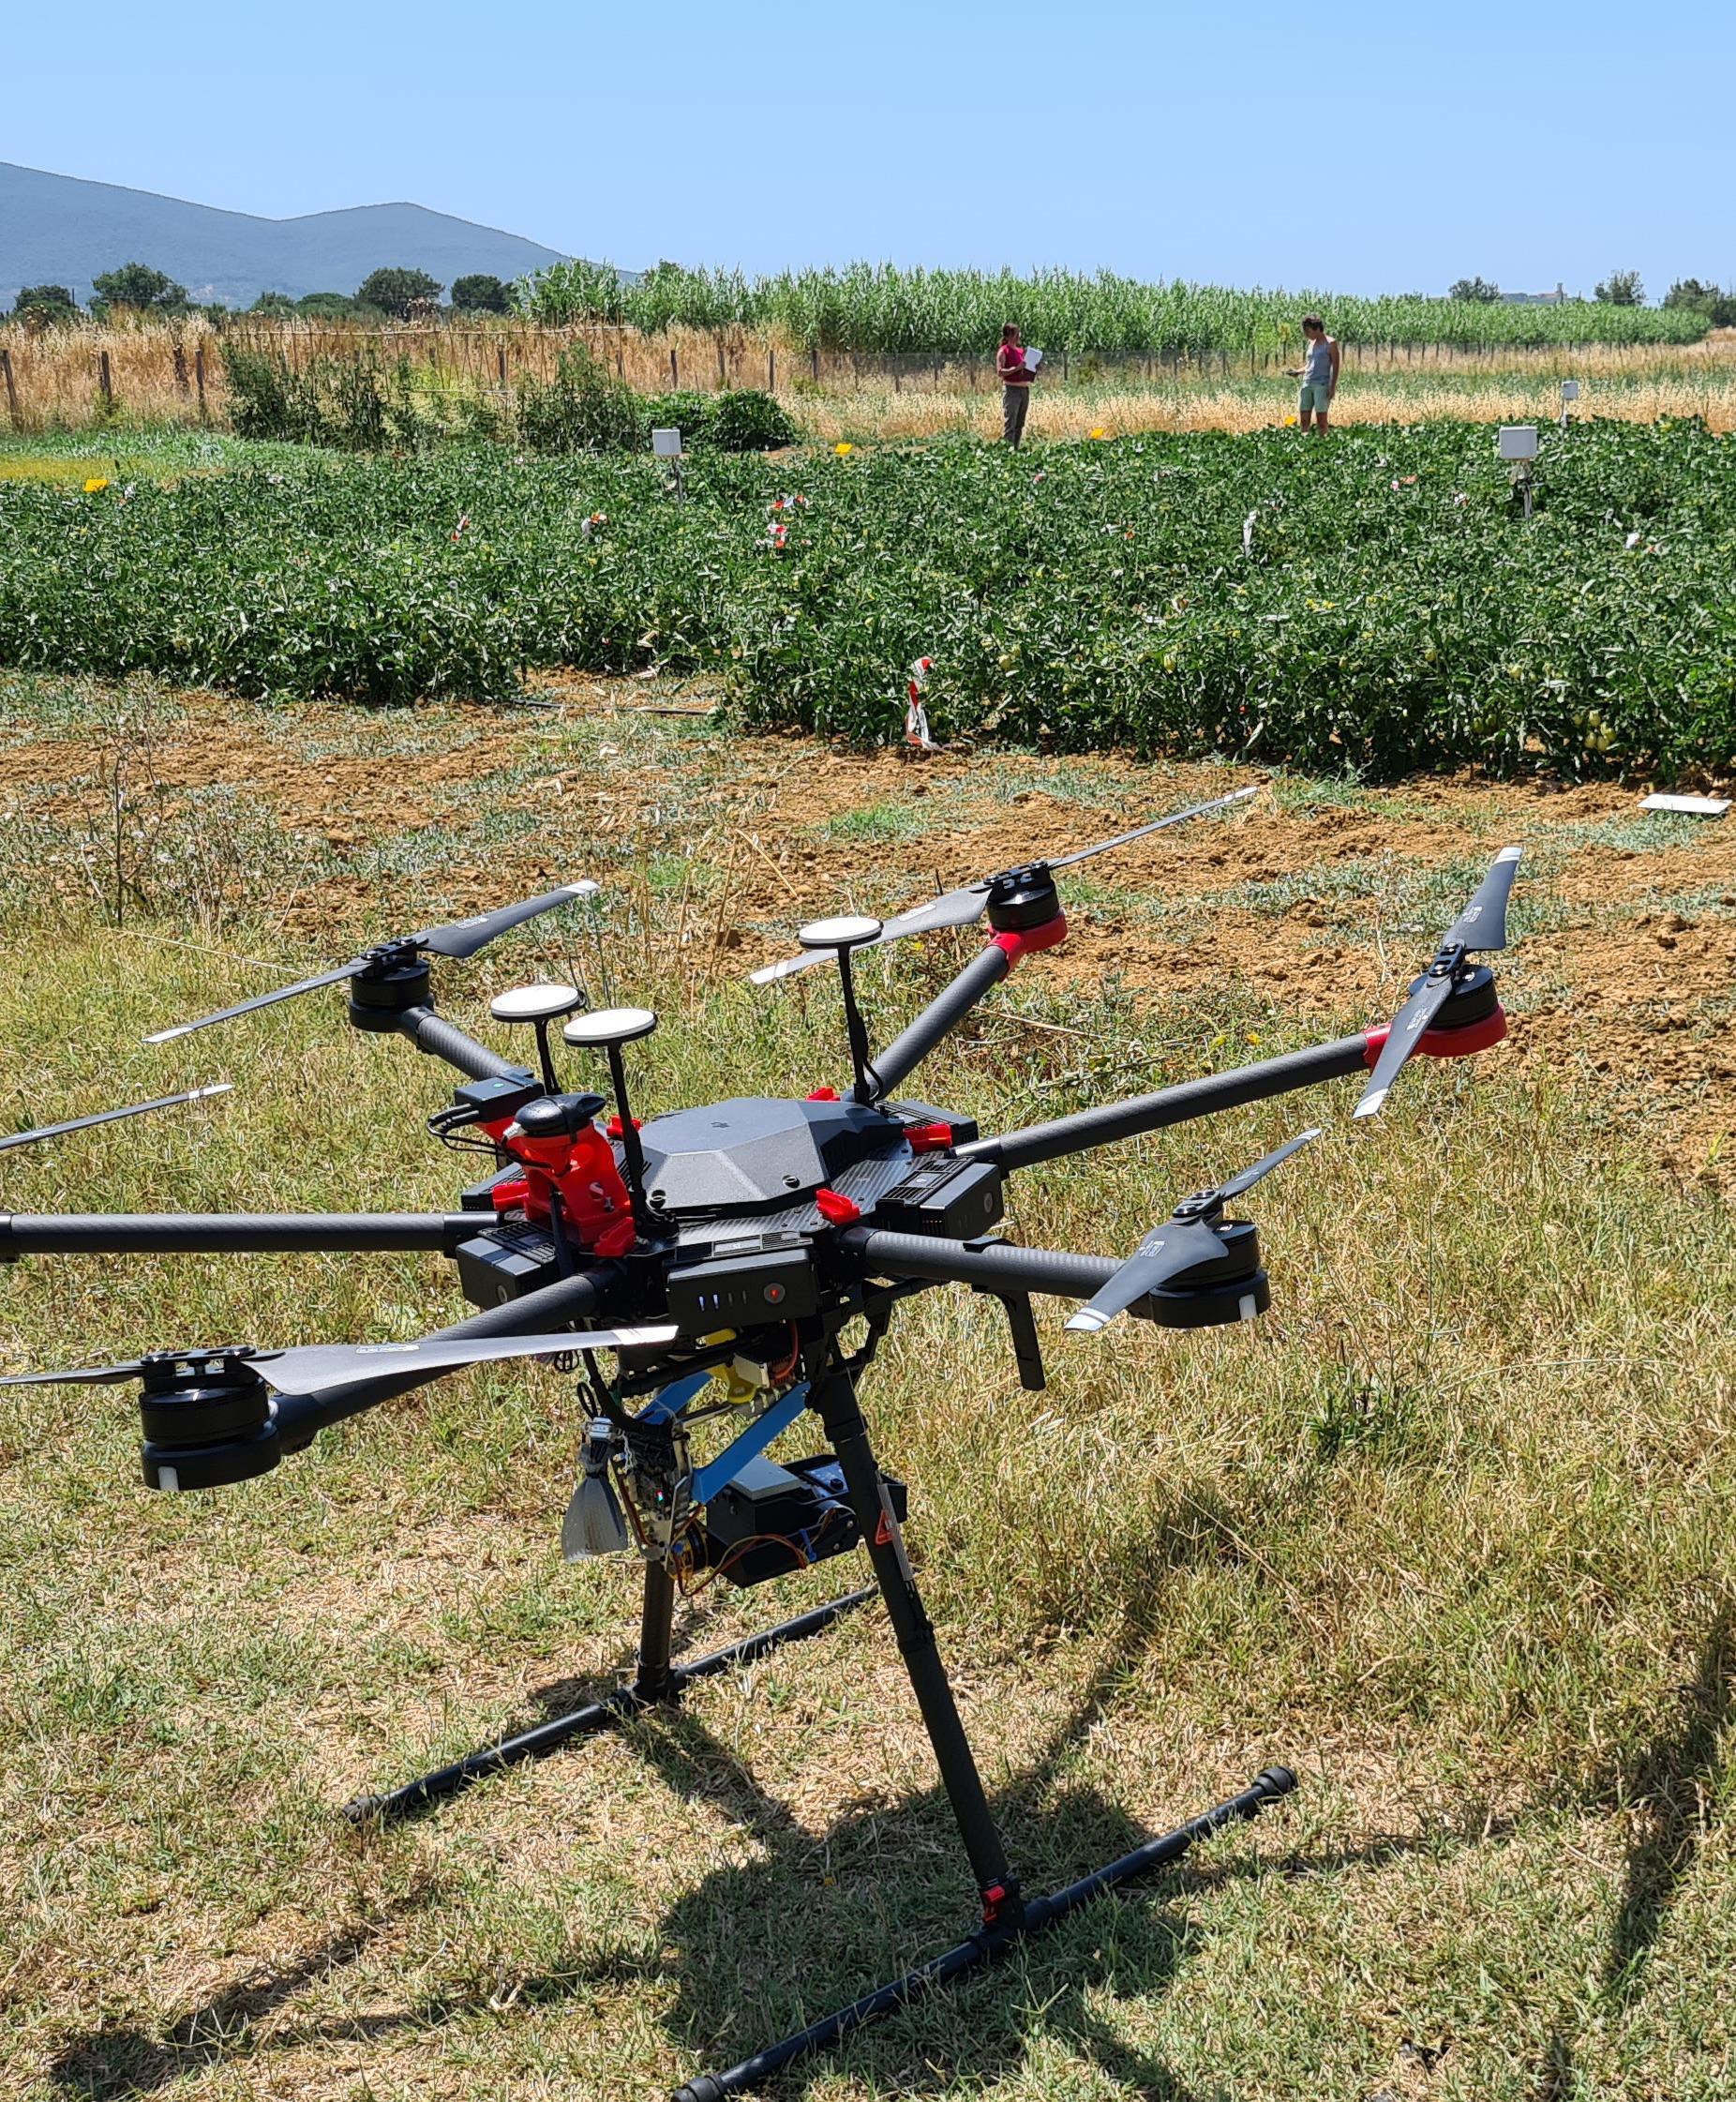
x: 1353, y: 147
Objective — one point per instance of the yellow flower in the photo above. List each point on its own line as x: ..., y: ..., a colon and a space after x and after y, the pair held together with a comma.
x: 1100, y: 432
x: 1290, y: 423
x: 96, y: 482
x: 844, y: 448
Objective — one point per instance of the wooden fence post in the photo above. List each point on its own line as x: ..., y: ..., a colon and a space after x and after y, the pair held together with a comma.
x: 105, y: 379
x: 500, y: 361
x: 199, y: 377
x: 183, y: 385
x: 772, y: 368
x: 12, y: 389
x: 723, y: 370
x: 674, y: 372
x: 814, y: 360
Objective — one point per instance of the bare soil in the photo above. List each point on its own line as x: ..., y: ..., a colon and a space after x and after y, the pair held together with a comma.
x: 1316, y: 893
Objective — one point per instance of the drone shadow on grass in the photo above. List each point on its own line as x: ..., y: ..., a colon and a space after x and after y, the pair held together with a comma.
x: 1673, y: 1779
x: 811, y: 1921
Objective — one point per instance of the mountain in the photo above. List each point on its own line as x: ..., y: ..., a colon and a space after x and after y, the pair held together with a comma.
x: 59, y: 230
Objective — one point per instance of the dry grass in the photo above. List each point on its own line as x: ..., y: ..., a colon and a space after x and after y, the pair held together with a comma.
x: 57, y: 378
x: 1085, y: 413
x: 1450, y: 1529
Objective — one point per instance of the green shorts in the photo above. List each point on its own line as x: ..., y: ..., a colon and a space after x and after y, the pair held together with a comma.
x: 1315, y: 394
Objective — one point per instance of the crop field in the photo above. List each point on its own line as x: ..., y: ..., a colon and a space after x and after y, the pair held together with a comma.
x: 877, y: 308
x: 1377, y: 603
x: 1448, y: 1530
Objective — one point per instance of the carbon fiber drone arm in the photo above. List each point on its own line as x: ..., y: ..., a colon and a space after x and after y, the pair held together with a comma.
x: 441, y: 1039
x: 991, y: 1266
x: 230, y: 1233
x: 938, y: 1020
x: 1179, y: 1104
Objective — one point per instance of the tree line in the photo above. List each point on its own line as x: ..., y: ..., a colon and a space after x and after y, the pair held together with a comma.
x: 390, y: 294
x: 1624, y: 288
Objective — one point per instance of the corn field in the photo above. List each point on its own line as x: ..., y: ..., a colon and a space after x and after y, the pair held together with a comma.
x: 883, y: 307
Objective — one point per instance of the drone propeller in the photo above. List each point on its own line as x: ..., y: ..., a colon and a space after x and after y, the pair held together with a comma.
x: 321, y: 1369
x: 458, y: 938
x: 1185, y: 1241
x: 1482, y: 925
x: 958, y: 909
x: 112, y: 1116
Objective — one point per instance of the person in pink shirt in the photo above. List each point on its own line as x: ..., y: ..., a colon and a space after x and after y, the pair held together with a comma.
x: 1015, y: 383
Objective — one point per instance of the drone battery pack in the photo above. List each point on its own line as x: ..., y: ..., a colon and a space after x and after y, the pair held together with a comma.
x: 505, y: 1263
x: 952, y: 1200
x: 744, y: 1290
x: 771, y: 1520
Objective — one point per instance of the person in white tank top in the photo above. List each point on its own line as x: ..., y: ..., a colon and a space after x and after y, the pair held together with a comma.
x: 1318, y: 373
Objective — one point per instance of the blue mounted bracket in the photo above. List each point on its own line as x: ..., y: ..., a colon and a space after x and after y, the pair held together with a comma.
x: 717, y: 1474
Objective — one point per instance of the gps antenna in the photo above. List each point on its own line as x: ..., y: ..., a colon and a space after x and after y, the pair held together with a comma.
x: 539, y: 1005
x: 610, y: 1028
x: 850, y: 932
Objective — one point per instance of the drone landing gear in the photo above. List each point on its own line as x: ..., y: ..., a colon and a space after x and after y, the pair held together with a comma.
x: 658, y: 1682
x: 1006, y: 1916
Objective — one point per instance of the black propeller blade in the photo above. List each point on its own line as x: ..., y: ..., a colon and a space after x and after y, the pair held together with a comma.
x: 958, y: 909
x: 458, y: 938
x: 1185, y: 1241
x: 112, y: 1116
x: 1482, y: 925
x: 321, y: 1369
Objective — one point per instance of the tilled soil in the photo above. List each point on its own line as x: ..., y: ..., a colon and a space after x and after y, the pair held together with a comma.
x: 1325, y: 894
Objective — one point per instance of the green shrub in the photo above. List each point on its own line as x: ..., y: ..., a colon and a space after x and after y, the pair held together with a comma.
x: 741, y: 421
x: 395, y: 292
x: 689, y: 412
x: 583, y: 409
x: 748, y: 421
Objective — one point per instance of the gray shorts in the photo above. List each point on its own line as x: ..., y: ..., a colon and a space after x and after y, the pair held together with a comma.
x: 1315, y: 394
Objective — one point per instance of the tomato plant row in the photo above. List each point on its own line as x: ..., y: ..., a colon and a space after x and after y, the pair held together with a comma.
x: 1375, y: 600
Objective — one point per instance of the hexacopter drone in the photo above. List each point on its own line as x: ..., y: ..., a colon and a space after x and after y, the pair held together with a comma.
x: 752, y: 1254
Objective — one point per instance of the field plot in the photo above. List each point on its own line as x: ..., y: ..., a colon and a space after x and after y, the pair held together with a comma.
x: 1375, y: 603
x: 1449, y: 1530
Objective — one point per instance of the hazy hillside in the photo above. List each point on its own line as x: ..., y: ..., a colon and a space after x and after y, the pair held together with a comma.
x: 59, y: 230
